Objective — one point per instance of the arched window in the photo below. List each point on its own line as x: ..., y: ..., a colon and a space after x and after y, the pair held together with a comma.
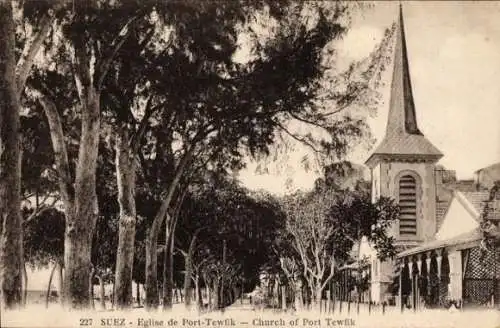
x: 408, y: 205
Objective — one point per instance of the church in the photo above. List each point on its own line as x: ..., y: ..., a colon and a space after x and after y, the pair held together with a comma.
x: 441, y: 258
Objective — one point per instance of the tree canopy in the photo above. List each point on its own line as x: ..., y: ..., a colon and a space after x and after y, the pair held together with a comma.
x: 139, y: 102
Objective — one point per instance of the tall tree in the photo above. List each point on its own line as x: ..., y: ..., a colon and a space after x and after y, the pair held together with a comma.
x: 324, y: 225
x: 13, y: 78
x: 312, y: 235
x: 11, y: 252
x: 89, y: 61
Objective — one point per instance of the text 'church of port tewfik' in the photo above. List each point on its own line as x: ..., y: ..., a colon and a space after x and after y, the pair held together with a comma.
x: 441, y: 258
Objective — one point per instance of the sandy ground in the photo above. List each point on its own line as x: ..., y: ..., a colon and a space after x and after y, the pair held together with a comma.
x: 245, y: 316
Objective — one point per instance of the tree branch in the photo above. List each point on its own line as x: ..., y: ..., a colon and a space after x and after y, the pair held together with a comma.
x: 31, y: 49
x: 116, y: 44
x: 301, y: 140
x: 136, y: 139
x: 307, y: 121
x: 41, y: 209
x: 338, y: 109
x: 59, y: 147
x: 332, y: 272
x: 162, y: 211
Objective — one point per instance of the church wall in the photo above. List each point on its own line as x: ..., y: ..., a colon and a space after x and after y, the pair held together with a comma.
x: 426, y: 196
x: 375, y: 183
x: 385, y: 182
x: 381, y: 187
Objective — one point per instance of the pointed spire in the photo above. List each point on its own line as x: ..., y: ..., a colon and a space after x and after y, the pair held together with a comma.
x: 402, y: 117
x: 402, y: 135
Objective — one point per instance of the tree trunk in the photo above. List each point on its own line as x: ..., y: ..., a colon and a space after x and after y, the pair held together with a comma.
x: 317, y: 295
x: 242, y: 291
x: 11, y: 239
x: 80, y: 223
x: 168, y: 275
x: 138, y: 293
x: 283, y: 297
x: 91, y: 288
x: 209, y: 296
x: 60, y: 282
x: 151, y: 285
x: 102, y: 293
x: 64, y: 179
x: 187, y: 281
x: 216, y: 291
x: 199, y: 298
x: 25, y: 295
x: 80, y: 226
x: 47, y: 297
x: 125, y: 175
x: 77, y: 247
x: 168, y: 267
x: 189, y: 269
x: 152, y: 296
x: 168, y: 279
x: 298, y: 296
x: 236, y: 293
x: 221, y: 293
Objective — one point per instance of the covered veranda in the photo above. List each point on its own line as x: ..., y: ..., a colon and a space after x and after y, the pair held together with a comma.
x: 456, y: 271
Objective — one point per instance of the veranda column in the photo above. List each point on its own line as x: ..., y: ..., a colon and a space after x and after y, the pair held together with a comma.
x: 412, y: 292
x: 439, y: 259
x: 417, y: 284
x: 400, y: 294
x: 455, y: 260
x: 428, y: 260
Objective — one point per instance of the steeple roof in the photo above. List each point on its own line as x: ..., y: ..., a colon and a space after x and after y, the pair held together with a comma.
x: 402, y: 137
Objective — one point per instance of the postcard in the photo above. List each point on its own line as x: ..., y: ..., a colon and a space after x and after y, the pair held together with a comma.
x: 249, y: 164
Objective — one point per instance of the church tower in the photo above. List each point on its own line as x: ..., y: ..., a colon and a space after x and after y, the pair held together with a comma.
x: 402, y: 167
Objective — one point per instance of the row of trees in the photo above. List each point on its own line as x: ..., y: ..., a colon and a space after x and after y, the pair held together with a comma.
x: 120, y: 107
x: 228, y: 237
x: 221, y: 242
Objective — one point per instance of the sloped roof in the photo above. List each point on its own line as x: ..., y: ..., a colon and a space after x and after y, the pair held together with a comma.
x: 462, y: 185
x: 478, y: 199
x: 475, y: 199
x: 488, y: 175
x: 493, y: 167
x: 441, y: 209
x: 406, y: 144
x: 467, y: 237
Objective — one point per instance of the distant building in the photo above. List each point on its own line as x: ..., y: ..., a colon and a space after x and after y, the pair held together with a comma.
x: 438, y: 234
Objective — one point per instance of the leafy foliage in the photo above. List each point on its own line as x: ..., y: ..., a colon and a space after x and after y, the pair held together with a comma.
x: 323, y: 226
x: 489, y: 223
x: 227, y: 213
x: 356, y: 216
x: 44, y: 238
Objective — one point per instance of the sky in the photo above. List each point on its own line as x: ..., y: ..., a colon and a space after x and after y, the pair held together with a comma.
x: 454, y: 58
